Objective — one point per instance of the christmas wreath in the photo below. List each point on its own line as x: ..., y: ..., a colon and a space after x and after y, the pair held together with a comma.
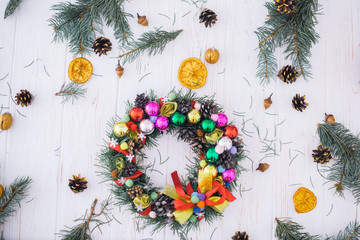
x: 206, y: 192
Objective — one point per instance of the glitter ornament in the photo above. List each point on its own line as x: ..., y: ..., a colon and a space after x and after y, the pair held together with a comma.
x: 229, y: 175
x: 146, y: 126
x: 231, y: 131
x: 152, y: 108
x: 208, y: 125
x: 120, y: 129
x: 222, y: 120
x: 178, y: 119
x: 194, y: 116
x: 136, y: 114
x: 162, y: 123
x: 154, y: 195
x: 225, y: 142
x: 211, y: 155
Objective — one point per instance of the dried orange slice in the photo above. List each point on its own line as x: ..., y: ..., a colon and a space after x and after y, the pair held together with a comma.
x: 192, y: 73
x: 1, y: 191
x: 304, y: 200
x: 80, y: 70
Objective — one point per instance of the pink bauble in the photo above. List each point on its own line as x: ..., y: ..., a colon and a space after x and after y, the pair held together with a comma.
x: 152, y: 108
x: 222, y: 120
x: 152, y: 214
x: 214, y: 117
x: 219, y: 149
x: 229, y: 175
x: 162, y: 123
x: 197, y: 106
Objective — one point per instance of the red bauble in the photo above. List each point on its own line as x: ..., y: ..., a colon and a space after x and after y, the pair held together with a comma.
x: 136, y: 114
x: 131, y: 125
x: 231, y: 131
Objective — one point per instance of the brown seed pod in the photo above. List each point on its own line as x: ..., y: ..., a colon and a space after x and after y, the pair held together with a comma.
x: 212, y: 55
x: 5, y: 121
x: 199, y: 133
x: 119, y: 70
x: 267, y: 102
x: 330, y: 119
x: 115, y: 174
x: 142, y: 20
x: 263, y: 167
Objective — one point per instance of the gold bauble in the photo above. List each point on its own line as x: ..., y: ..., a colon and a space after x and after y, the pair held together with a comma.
x: 194, y: 116
x: 5, y: 121
x: 120, y: 129
x: 212, y: 55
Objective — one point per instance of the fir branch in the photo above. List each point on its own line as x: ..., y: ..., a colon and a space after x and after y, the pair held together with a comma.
x: 296, y: 31
x: 11, y: 7
x: 152, y: 42
x: 12, y: 197
x: 351, y: 232
x: 81, y: 231
x: 289, y: 230
x: 71, y: 91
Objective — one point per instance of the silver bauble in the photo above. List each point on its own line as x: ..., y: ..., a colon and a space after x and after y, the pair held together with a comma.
x: 226, y: 142
x: 146, y: 126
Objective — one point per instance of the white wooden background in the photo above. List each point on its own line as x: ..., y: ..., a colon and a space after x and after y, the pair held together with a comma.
x: 55, y: 141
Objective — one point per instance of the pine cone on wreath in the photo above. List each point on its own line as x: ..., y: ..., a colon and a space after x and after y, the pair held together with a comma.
x: 23, y: 98
x: 322, y: 154
x: 238, y: 145
x: 77, y: 183
x: 102, y: 45
x: 163, y: 205
x: 187, y: 132
x: 128, y: 170
x: 184, y: 106
x: 135, y: 191
x: 135, y: 146
x: 299, y: 103
x: 208, y: 17
x: 199, y: 145
x: 285, y: 6
x: 207, y: 108
x: 141, y: 100
x: 288, y: 74
x: 240, y: 236
x: 227, y: 160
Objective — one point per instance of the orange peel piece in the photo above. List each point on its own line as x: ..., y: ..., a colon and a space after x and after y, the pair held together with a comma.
x: 80, y: 70
x: 304, y: 200
x: 192, y: 73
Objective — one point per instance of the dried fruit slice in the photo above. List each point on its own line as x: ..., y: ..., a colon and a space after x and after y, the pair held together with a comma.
x: 80, y: 70
x: 1, y: 191
x: 192, y: 73
x: 304, y: 200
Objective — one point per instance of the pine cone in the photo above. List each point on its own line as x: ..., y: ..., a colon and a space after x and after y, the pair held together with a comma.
x: 299, y: 103
x: 141, y: 100
x: 322, y: 154
x: 135, y: 191
x: 135, y: 146
x: 285, y: 6
x: 240, y: 236
x: 77, y: 183
x: 238, y: 144
x: 23, y: 98
x: 208, y: 17
x: 187, y: 132
x: 163, y: 205
x: 128, y: 170
x: 207, y: 108
x: 102, y: 45
x: 227, y: 160
x: 288, y: 74
x: 184, y: 106
x: 199, y: 145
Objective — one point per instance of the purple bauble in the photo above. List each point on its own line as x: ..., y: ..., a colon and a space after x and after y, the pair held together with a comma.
x: 162, y: 123
x: 153, y: 118
x: 152, y: 108
x: 229, y: 175
x: 222, y: 120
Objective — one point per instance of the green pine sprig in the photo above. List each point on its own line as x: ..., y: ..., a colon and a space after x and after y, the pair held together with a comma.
x: 294, y: 31
x: 82, y: 230
x: 71, y: 91
x: 12, y: 197
x: 11, y: 7
x: 152, y: 42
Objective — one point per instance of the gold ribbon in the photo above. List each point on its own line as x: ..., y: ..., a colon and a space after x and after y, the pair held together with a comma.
x: 168, y: 108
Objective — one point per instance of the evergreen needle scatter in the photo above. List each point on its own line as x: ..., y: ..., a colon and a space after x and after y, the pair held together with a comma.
x: 12, y: 196
x: 345, y: 148
x: 295, y: 31
x: 11, y: 6
x: 71, y: 91
x: 82, y: 230
x: 79, y: 22
x: 152, y: 42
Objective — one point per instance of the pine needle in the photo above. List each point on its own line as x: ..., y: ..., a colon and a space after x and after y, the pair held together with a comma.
x: 11, y: 7
x: 71, y: 91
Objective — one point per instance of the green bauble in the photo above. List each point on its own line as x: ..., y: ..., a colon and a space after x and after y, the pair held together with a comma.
x: 211, y: 155
x: 208, y: 125
x: 178, y: 119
